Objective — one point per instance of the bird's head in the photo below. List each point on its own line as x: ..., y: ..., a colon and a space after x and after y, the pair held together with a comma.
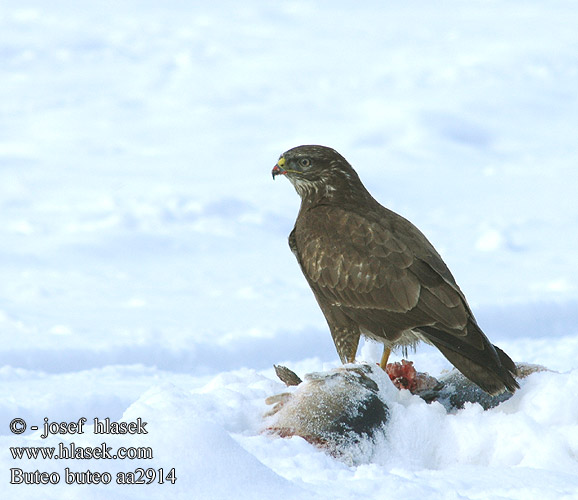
x: 316, y: 170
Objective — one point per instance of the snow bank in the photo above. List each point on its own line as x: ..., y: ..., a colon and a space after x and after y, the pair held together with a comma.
x: 211, y: 436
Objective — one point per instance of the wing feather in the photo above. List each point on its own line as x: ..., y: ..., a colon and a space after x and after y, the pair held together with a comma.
x: 370, y: 270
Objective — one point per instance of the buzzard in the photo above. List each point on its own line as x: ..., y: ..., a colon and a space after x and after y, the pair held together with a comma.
x: 374, y: 273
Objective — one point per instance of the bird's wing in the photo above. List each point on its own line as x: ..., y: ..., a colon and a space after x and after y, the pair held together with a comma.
x: 380, y: 270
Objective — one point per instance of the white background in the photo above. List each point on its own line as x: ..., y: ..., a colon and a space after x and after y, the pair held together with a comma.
x: 143, y: 252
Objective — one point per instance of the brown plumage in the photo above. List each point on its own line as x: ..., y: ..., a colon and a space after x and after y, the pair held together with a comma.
x: 374, y: 273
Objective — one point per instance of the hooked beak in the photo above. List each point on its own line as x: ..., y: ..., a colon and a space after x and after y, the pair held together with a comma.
x: 278, y: 169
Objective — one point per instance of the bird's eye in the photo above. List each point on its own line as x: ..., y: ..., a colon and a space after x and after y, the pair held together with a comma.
x: 304, y: 162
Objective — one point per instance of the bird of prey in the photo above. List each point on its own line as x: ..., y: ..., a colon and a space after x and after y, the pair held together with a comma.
x: 375, y: 274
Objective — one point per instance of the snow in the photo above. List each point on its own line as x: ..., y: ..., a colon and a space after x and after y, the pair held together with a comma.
x: 144, y: 265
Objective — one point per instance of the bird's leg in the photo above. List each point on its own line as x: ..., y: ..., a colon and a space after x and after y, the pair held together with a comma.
x: 384, y: 357
x: 352, y: 348
x: 346, y: 341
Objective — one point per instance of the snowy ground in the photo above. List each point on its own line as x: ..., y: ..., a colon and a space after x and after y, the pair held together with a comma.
x: 143, y: 259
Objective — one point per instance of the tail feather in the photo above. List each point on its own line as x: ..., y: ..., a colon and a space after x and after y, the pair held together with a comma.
x: 493, y: 381
x: 489, y: 367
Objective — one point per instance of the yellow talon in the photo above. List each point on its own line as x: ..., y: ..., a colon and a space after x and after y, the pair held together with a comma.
x: 384, y: 357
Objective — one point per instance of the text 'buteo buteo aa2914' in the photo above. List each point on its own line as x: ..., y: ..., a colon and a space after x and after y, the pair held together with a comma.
x: 374, y: 273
